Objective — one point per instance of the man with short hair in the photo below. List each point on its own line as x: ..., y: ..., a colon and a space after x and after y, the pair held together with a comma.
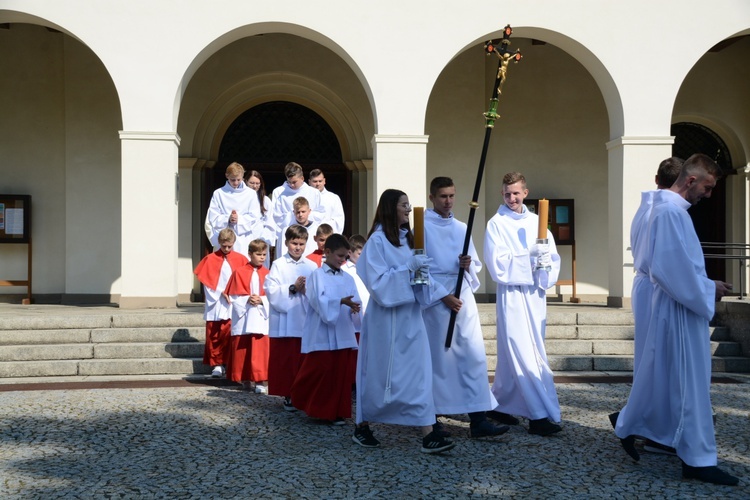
x: 670, y: 401
x: 667, y: 173
x: 334, y: 209
x: 283, y: 202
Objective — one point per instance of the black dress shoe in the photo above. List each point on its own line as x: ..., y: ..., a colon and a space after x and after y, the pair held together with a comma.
x: 503, y: 418
x: 712, y: 475
x: 543, y: 427
x: 485, y: 428
x: 613, y: 418
x: 628, y: 444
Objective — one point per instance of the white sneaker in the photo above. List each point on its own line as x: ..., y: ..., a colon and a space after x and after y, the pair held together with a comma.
x: 217, y: 372
x: 261, y: 389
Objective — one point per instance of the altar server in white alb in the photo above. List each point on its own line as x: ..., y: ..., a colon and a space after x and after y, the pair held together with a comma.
x: 642, y: 290
x: 523, y: 271
x: 283, y: 202
x: 459, y: 383
x: 334, y: 209
x: 234, y: 206
x: 670, y: 400
x: 394, y: 370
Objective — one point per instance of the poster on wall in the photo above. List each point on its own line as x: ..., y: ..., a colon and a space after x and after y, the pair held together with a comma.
x: 15, y: 218
x: 561, y: 221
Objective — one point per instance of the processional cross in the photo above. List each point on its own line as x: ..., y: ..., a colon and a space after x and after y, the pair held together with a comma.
x: 505, y: 56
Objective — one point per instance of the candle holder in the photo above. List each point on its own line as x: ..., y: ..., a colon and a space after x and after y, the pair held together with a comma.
x: 420, y: 277
x: 542, y: 241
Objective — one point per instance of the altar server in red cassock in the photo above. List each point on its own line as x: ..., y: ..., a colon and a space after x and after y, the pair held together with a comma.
x: 286, y: 290
x: 248, y: 353
x: 323, y: 386
x: 214, y: 272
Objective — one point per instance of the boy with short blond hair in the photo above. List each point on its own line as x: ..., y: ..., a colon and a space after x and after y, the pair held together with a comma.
x: 523, y: 270
x: 248, y: 352
x: 214, y: 271
x: 321, y: 235
x: 286, y: 289
x: 302, y: 216
x: 234, y: 206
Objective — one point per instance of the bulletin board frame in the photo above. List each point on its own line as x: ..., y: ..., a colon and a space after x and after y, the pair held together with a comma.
x: 562, y: 225
x: 15, y: 228
x: 15, y: 218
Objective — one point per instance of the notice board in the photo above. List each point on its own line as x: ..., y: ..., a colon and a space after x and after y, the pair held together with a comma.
x: 561, y: 221
x: 15, y: 218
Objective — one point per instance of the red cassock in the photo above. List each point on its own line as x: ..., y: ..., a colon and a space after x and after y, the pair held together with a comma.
x: 284, y: 362
x: 323, y: 387
x: 249, y: 352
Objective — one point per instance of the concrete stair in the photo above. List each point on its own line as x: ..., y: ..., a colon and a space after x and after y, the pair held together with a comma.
x: 587, y: 339
x: 64, y: 343
x: 150, y: 343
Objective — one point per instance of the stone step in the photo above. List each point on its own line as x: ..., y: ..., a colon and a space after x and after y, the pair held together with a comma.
x: 142, y: 366
x: 26, y: 337
x: 46, y: 352
x: 49, y: 368
x: 165, y: 334
x: 135, y: 350
x: 615, y: 363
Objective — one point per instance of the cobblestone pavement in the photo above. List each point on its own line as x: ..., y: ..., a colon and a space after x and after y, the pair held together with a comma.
x: 221, y: 442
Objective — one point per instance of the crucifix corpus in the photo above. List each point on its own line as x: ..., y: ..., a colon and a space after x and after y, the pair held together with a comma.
x: 505, y: 56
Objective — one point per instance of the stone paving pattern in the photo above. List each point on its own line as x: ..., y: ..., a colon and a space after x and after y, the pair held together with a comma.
x: 222, y: 442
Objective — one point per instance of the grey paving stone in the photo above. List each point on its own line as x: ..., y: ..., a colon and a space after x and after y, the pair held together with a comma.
x: 214, y: 442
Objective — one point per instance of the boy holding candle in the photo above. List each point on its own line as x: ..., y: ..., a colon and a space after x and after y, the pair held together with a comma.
x: 523, y: 266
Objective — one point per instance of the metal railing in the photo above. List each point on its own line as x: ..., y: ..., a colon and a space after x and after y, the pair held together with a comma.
x: 733, y: 251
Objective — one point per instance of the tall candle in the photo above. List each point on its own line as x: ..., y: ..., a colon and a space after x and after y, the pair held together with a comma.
x: 543, y: 213
x: 418, y: 227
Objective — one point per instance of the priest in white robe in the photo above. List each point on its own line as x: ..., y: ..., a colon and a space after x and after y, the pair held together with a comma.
x: 642, y: 290
x: 670, y: 400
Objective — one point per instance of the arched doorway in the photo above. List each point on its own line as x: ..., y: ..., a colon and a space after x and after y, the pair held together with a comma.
x: 709, y: 216
x: 268, y: 136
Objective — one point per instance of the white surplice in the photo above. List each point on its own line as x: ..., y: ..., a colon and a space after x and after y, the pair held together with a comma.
x: 283, y: 209
x: 245, y: 201
x: 459, y: 382
x: 670, y: 400
x: 246, y: 318
x: 524, y: 383
x: 216, y: 306
x: 351, y: 268
x: 288, y: 310
x: 334, y: 211
x: 394, y: 370
x: 642, y: 287
x: 330, y: 324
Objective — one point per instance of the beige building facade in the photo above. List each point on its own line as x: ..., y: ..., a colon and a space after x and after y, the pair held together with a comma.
x: 118, y: 119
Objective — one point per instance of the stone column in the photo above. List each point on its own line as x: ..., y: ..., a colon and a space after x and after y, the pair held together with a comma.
x: 633, y: 162
x: 150, y: 196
